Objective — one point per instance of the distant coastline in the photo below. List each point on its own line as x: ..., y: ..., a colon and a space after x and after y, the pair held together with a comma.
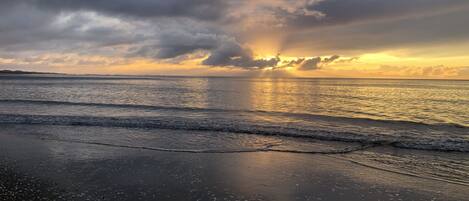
x: 19, y: 72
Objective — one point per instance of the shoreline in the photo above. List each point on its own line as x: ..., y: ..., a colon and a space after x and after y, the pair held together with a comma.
x: 71, y: 171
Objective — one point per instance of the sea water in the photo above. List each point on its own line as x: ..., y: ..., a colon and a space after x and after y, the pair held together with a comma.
x: 223, y: 115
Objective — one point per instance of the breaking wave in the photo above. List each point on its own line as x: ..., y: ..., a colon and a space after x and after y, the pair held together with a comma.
x: 442, y: 143
x: 195, y: 109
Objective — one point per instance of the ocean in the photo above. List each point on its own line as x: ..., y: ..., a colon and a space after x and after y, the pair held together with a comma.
x: 225, y: 115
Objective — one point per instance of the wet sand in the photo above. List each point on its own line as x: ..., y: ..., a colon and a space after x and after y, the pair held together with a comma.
x: 34, y: 169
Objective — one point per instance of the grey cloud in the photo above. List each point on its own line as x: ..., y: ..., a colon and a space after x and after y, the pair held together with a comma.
x: 166, y: 29
x: 233, y: 54
x: 291, y: 63
x: 314, y: 63
x: 331, y: 59
x: 25, y: 28
x: 351, y: 27
x: 349, y: 11
x: 222, y: 49
x: 26, y: 31
x: 199, y: 9
x: 17, y: 21
x: 310, y: 64
x: 174, y: 44
x: 37, y: 26
x: 443, y: 28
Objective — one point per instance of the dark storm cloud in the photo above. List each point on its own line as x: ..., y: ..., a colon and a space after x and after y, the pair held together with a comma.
x: 199, y: 9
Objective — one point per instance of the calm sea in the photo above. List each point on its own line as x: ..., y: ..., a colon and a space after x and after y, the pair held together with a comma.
x: 192, y: 114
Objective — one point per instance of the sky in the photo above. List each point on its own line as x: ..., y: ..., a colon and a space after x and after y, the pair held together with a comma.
x: 275, y: 38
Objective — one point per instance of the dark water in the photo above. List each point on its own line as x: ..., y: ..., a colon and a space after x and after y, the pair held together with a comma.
x: 248, y: 114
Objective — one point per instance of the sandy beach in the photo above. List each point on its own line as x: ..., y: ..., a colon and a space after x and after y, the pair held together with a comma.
x: 35, y: 169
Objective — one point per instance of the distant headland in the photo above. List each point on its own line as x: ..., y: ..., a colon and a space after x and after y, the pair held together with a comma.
x: 18, y: 72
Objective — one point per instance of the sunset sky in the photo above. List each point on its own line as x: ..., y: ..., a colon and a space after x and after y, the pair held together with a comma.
x: 301, y: 38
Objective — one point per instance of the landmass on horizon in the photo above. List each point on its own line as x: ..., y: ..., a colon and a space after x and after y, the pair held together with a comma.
x: 19, y: 72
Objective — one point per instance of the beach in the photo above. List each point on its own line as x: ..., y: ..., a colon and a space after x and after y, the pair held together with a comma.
x: 38, y: 169
x: 66, y: 137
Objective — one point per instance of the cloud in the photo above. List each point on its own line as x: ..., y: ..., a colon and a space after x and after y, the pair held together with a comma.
x: 291, y: 63
x: 331, y: 59
x: 423, y: 71
x: 25, y: 29
x: 358, y: 38
x: 351, y: 27
x: 233, y: 54
x: 336, y: 12
x: 221, y: 49
x: 198, y: 9
x: 310, y: 64
x: 347, y: 60
x: 174, y: 44
x: 30, y: 31
x: 313, y: 63
x: 168, y: 29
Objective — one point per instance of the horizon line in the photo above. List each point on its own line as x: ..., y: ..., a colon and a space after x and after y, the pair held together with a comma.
x: 22, y: 72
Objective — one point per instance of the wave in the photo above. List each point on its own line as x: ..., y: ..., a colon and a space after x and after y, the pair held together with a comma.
x: 443, y: 143
x: 306, y: 116
x: 407, y: 173
x: 267, y: 148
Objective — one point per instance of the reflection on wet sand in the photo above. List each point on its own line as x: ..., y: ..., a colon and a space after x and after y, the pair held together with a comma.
x: 109, y: 173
